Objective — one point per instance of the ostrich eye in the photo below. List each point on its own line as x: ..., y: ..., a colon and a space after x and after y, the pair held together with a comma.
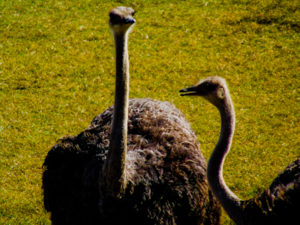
x: 208, y: 87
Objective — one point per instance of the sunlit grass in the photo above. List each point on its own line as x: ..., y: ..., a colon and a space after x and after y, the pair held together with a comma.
x: 57, y: 73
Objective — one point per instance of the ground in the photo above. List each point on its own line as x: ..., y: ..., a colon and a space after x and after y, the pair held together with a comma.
x: 57, y: 73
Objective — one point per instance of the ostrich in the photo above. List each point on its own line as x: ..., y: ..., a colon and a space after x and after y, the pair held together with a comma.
x: 137, y: 163
x: 280, y: 203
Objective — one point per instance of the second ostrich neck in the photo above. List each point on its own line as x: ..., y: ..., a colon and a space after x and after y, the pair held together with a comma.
x: 229, y: 201
x: 115, y: 164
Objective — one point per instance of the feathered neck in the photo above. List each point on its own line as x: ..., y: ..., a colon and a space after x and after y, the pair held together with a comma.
x: 114, y: 168
x: 229, y: 201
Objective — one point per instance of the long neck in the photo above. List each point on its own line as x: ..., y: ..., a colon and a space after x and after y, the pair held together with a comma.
x: 229, y: 201
x: 115, y: 163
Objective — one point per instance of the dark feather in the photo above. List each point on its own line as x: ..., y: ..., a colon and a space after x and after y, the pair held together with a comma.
x: 165, y: 169
x: 280, y: 203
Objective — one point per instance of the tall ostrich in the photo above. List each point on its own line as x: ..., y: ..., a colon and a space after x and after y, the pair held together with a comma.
x: 137, y: 163
x: 280, y: 203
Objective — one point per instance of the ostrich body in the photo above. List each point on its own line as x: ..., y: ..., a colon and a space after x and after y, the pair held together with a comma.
x: 280, y: 203
x: 137, y: 163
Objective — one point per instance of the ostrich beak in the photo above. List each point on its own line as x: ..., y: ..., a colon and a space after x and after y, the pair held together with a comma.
x: 191, y: 91
x: 129, y: 21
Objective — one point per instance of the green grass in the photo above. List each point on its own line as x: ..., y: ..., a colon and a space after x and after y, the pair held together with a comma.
x: 57, y: 73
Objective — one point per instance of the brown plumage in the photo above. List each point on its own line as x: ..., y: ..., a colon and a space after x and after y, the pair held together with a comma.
x: 137, y: 163
x: 165, y: 169
x: 280, y: 203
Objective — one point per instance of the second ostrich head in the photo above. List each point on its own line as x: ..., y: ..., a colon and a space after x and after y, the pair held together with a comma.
x: 212, y: 88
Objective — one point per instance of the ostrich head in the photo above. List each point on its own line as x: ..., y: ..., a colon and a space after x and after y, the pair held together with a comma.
x: 212, y: 88
x: 121, y: 19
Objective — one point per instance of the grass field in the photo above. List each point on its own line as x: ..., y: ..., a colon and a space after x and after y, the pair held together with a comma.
x: 57, y: 73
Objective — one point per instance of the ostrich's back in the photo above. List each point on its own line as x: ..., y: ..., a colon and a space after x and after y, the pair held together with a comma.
x: 165, y: 169
x: 280, y: 203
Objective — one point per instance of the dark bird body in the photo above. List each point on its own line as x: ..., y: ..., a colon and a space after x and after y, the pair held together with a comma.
x: 279, y: 204
x: 164, y: 166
